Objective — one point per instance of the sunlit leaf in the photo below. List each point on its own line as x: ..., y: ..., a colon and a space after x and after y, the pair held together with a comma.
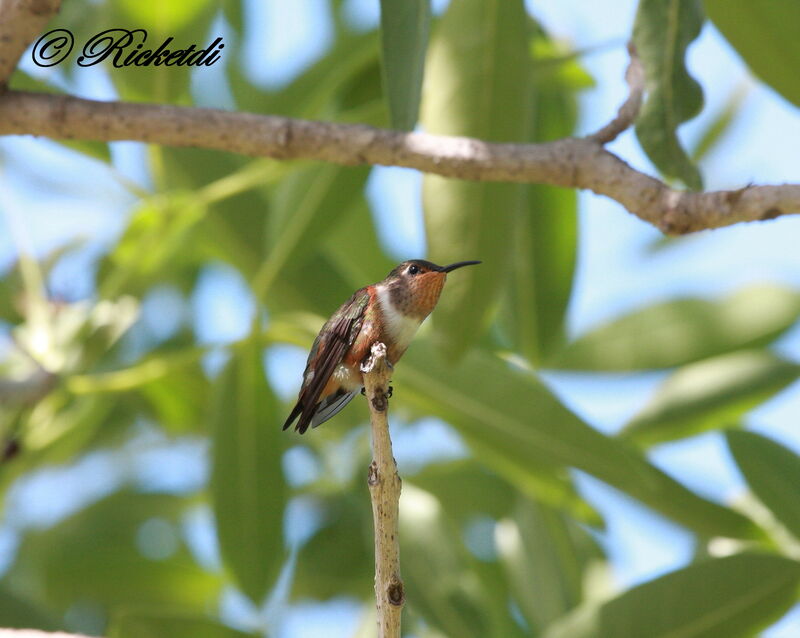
x: 404, y: 36
x: 733, y: 596
x: 764, y: 34
x: 772, y: 472
x: 473, y: 88
x: 662, y: 32
x: 163, y: 17
x: 709, y: 394
x: 681, y: 331
x: 247, y: 483
x: 185, y: 23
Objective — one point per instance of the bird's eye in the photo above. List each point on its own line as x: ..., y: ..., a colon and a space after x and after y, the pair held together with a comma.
x: 413, y: 269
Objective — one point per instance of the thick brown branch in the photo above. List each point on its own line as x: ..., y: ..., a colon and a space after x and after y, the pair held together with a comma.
x: 20, y: 22
x: 572, y: 163
x: 384, y: 489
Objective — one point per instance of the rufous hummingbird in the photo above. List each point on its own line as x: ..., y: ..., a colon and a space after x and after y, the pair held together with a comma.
x: 389, y: 311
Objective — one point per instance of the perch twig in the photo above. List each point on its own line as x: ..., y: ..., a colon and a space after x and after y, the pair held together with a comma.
x: 384, y: 488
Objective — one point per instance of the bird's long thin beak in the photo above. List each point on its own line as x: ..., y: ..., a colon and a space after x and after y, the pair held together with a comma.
x: 458, y: 264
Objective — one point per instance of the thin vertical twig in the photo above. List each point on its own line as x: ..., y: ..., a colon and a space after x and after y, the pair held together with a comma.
x: 384, y: 488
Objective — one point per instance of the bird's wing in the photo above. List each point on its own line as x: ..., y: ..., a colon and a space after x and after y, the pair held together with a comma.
x: 329, y: 348
x: 331, y: 405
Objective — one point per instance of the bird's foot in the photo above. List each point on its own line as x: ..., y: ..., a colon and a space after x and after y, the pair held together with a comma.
x: 389, y: 392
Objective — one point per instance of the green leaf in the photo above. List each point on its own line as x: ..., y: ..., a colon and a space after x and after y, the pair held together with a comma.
x: 131, y: 623
x: 97, y: 556
x: 18, y: 613
x: 367, y: 264
x: 167, y: 17
x: 158, y: 233
x: 466, y: 489
x: 546, y: 237
x: 339, y: 559
x: 732, y: 596
x: 710, y: 394
x: 719, y: 126
x: 318, y: 92
x: 187, y: 23
x: 404, y: 36
x: 234, y: 190
x: 662, y: 32
x: 247, y: 484
x: 58, y: 428
x: 543, y: 268
x: 473, y: 88
x: 517, y: 427
x: 765, y: 35
x: 681, y: 331
x: 306, y: 205
x: 546, y: 555
x: 314, y: 285
x: 773, y: 473
x: 438, y: 582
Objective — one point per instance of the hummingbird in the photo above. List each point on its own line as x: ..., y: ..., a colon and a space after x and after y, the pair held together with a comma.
x: 389, y: 311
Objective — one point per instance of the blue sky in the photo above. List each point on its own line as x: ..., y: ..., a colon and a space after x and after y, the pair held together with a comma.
x: 44, y: 205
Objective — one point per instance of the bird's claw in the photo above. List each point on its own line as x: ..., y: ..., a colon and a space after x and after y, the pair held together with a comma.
x: 388, y: 393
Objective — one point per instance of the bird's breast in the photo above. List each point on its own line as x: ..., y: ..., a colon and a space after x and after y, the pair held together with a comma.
x: 399, y: 328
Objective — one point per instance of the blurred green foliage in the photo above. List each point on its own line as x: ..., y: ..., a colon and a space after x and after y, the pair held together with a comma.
x: 82, y: 378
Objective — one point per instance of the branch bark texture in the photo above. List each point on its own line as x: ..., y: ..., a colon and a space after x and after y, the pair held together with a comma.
x: 572, y: 163
x: 20, y: 22
x: 384, y: 488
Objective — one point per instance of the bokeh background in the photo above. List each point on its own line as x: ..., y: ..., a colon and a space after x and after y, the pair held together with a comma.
x: 128, y: 271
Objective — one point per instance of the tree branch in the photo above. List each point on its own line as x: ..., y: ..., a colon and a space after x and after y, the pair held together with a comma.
x: 384, y: 488
x: 571, y: 163
x: 629, y: 111
x: 20, y: 22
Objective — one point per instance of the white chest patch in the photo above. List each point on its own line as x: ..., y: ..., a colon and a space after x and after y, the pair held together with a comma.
x: 401, y: 328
